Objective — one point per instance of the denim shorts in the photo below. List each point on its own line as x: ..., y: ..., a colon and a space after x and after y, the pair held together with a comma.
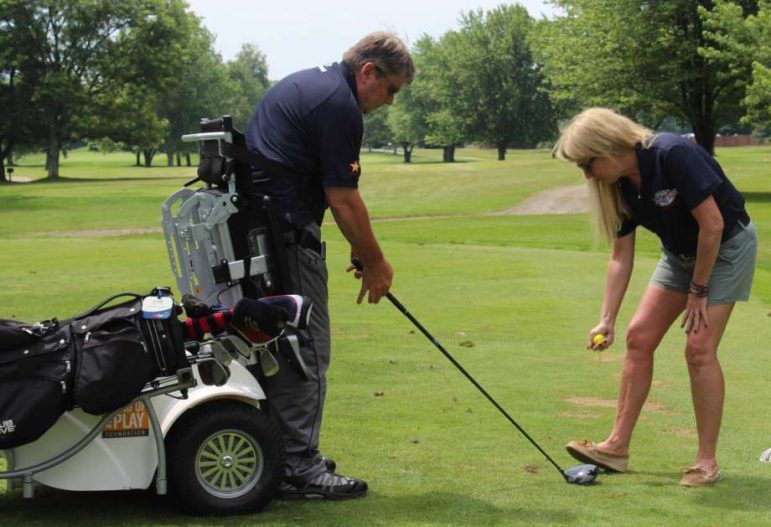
x: 731, y: 279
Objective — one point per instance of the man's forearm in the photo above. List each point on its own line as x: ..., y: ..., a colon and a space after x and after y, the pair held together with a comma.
x: 352, y: 217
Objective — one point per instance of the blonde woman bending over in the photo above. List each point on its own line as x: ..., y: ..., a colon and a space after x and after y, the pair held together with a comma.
x: 676, y: 190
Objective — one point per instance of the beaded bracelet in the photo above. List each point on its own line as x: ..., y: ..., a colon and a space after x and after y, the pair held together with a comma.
x: 698, y: 290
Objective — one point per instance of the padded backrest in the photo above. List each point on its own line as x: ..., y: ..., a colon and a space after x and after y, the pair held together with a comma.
x: 216, y: 169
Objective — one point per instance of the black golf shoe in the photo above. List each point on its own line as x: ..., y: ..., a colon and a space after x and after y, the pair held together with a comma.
x: 325, y: 486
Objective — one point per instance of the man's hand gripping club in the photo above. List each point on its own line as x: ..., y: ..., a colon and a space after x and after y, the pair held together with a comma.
x: 376, y: 280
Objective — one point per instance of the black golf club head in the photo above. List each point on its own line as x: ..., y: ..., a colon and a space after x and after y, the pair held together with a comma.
x: 581, y: 474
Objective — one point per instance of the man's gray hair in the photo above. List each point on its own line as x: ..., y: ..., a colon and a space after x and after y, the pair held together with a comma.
x: 386, y: 50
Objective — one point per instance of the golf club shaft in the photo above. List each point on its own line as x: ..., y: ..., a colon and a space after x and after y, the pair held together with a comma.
x: 479, y: 387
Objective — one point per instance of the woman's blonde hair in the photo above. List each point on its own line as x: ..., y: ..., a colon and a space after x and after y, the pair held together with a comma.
x: 598, y: 132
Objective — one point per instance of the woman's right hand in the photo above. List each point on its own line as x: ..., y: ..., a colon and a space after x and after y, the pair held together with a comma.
x: 604, y: 329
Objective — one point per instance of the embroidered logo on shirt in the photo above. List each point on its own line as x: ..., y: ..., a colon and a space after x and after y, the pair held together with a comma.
x: 665, y: 198
x: 355, y: 168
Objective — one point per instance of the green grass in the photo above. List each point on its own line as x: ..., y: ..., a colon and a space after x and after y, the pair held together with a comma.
x: 511, y: 297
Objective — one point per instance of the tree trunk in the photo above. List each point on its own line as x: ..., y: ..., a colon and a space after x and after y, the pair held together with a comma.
x: 179, y: 160
x: 704, y: 133
x: 148, y: 153
x: 187, y: 158
x: 52, y: 151
x: 407, y: 152
x: 139, y: 155
x: 501, y: 151
x: 169, y: 157
x: 5, y: 153
x: 448, y: 155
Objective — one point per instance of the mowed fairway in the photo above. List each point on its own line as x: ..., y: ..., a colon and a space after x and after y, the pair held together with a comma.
x: 510, y: 296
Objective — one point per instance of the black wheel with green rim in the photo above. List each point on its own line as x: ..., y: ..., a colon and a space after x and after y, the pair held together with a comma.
x: 224, y: 458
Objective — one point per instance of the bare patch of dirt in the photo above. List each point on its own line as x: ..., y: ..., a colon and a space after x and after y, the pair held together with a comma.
x: 579, y: 415
x: 685, y: 432
x: 650, y: 406
x: 593, y: 401
x: 562, y: 200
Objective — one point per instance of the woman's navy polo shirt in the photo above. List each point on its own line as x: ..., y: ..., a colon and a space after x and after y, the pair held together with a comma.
x: 676, y: 176
x: 311, y: 123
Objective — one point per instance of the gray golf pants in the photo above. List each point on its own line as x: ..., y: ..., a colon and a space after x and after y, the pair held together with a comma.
x: 297, y: 404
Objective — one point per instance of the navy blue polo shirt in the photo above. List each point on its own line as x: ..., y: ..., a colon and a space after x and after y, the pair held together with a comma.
x: 676, y: 176
x: 311, y: 123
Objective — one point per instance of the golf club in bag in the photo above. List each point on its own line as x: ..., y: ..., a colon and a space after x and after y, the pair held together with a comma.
x: 578, y: 475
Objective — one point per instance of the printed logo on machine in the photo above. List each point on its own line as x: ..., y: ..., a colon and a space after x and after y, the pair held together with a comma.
x: 132, y: 421
x: 7, y: 427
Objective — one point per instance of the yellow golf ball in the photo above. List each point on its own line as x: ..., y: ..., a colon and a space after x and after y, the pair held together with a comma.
x: 598, y: 338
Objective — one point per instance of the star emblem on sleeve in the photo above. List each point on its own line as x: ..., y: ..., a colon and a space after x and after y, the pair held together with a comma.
x: 355, y: 167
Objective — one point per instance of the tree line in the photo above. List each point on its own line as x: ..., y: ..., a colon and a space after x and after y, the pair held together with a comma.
x: 504, y: 79
x: 128, y: 74
x: 137, y: 74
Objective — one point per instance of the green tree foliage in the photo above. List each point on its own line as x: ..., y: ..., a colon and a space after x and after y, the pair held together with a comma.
x: 744, y: 43
x: 498, y: 87
x: 73, y: 55
x: 641, y: 56
x: 249, y: 70
x: 406, y: 121
x: 131, y: 121
x: 376, y: 132
x: 202, y: 88
x: 17, y: 119
x: 435, y: 91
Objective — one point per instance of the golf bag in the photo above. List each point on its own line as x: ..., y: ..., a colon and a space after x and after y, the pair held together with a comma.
x: 35, y: 378
x: 99, y: 360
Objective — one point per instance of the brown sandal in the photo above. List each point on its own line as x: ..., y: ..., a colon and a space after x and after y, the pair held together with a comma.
x: 587, y: 452
x: 698, y: 477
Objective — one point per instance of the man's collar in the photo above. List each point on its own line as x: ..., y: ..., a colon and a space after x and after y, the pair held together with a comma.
x: 350, y: 78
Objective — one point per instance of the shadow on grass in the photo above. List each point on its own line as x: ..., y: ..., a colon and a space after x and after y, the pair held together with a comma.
x: 145, y: 508
x: 51, y: 506
x: 731, y: 492
x: 740, y: 493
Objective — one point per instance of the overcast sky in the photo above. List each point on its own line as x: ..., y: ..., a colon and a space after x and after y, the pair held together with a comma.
x: 298, y: 34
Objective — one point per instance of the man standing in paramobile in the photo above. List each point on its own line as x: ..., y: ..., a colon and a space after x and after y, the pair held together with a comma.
x: 310, y: 124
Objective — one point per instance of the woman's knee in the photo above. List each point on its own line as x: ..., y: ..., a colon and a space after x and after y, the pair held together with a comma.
x: 639, y: 344
x: 700, y: 353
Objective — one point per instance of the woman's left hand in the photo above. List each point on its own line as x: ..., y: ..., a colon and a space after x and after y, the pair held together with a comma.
x: 695, y: 314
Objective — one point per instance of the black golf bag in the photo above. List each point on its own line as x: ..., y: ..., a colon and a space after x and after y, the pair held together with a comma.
x: 99, y: 361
